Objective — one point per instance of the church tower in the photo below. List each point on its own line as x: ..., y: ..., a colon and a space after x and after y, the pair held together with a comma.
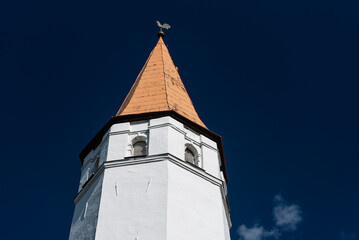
x: 154, y: 171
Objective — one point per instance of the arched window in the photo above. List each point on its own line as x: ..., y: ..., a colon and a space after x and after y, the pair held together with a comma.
x: 139, y: 148
x: 189, y: 156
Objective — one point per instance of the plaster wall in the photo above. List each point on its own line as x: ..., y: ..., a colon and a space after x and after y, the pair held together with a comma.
x: 167, y: 135
x: 191, y: 134
x: 226, y: 225
x: 195, y: 207
x: 157, y: 196
x: 101, y: 148
x: 120, y: 127
x: 165, y: 121
x: 139, y: 126
x: 117, y: 146
x: 176, y: 142
x: 99, y: 153
x: 211, y: 161
x: 158, y: 140
x: 208, y: 141
x: 134, y: 202
x: 163, y: 135
x: 85, y: 216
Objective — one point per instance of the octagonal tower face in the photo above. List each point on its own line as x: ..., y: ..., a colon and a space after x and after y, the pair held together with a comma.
x: 155, y: 179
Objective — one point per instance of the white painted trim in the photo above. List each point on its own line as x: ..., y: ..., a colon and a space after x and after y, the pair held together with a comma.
x: 128, y: 161
x: 184, y: 133
x: 208, y: 146
x: 167, y: 125
x: 192, y: 141
x: 97, y: 150
x: 200, y: 144
x: 119, y: 132
x: 89, y: 183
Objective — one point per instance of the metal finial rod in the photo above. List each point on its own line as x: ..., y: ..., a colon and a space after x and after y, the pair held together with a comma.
x: 165, y: 26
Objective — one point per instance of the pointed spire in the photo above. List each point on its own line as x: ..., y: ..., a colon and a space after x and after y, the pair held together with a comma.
x: 158, y: 88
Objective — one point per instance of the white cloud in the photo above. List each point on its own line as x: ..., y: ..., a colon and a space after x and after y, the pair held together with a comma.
x: 286, y: 216
x: 256, y: 233
x: 286, y: 219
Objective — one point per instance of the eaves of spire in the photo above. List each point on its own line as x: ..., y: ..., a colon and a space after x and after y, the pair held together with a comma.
x: 158, y: 88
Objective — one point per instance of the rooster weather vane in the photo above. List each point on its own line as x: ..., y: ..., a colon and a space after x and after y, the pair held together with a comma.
x: 165, y: 26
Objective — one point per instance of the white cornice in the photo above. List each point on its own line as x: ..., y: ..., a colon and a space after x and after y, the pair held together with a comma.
x: 157, y: 158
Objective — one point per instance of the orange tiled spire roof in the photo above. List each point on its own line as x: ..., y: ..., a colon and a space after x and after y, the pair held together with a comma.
x: 158, y: 88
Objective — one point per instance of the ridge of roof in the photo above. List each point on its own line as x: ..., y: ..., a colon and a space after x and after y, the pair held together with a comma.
x: 159, y: 87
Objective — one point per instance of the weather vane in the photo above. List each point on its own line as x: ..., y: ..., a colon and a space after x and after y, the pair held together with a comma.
x: 165, y: 26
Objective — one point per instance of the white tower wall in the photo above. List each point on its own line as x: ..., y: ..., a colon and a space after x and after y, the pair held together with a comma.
x: 156, y: 196
x: 195, y: 206
x: 134, y: 201
x: 84, y: 221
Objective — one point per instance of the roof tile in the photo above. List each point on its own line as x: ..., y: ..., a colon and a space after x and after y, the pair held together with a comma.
x: 159, y: 87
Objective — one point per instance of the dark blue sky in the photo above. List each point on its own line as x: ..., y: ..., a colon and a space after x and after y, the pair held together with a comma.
x: 278, y: 80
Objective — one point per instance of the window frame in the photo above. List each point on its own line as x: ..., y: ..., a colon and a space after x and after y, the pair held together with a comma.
x: 193, y: 150
x: 136, y: 140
